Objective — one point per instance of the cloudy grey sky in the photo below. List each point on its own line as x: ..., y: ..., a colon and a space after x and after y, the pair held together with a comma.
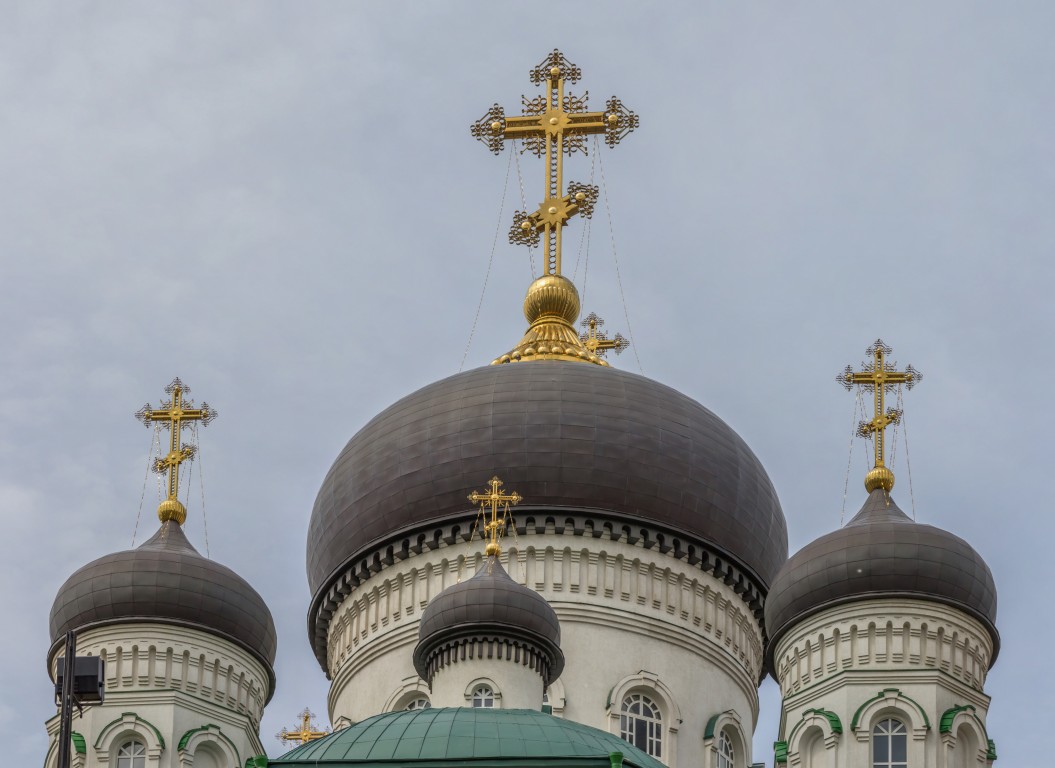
x: 280, y: 203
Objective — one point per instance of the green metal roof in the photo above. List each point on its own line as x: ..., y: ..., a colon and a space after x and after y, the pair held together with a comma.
x: 499, y: 737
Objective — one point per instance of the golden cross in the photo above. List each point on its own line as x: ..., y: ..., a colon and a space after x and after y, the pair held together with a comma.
x: 596, y: 340
x: 495, y: 527
x: 175, y: 414
x: 879, y: 376
x: 306, y: 732
x: 555, y: 124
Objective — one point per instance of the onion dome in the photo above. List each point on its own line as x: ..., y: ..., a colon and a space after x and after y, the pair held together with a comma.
x: 881, y: 553
x: 166, y: 581
x: 489, y: 606
x: 576, y: 439
x: 497, y: 738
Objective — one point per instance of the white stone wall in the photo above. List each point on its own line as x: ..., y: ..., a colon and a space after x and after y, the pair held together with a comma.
x: 173, y: 681
x: 909, y: 659
x: 632, y: 619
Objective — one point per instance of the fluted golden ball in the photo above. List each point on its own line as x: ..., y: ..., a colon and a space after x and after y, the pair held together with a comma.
x: 552, y: 297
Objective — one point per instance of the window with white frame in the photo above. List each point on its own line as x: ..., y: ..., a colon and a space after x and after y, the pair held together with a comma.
x: 641, y: 723
x: 418, y: 703
x: 132, y: 754
x: 726, y: 753
x: 889, y: 744
x: 483, y: 697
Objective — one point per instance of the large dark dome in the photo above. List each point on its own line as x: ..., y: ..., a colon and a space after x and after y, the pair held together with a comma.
x: 567, y: 436
x: 165, y: 580
x: 882, y: 552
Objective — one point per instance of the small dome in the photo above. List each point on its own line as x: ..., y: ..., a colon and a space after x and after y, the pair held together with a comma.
x: 490, y: 604
x: 437, y: 736
x: 568, y: 437
x: 165, y: 580
x: 882, y: 552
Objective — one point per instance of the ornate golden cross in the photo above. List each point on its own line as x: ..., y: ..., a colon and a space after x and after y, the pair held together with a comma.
x: 555, y: 124
x: 879, y: 377
x: 596, y: 340
x: 495, y: 527
x: 175, y: 414
x: 306, y: 732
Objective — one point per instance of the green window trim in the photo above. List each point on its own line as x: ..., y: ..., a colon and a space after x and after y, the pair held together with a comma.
x: 712, y: 724
x: 780, y: 752
x: 833, y: 722
x: 79, y: 744
x: 219, y: 732
x: 260, y: 761
x: 138, y: 719
x: 945, y: 726
x: 991, y: 754
x: 882, y: 695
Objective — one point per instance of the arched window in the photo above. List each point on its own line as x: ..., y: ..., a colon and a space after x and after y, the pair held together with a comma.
x: 483, y: 697
x: 419, y: 703
x: 641, y: 724
x: 889, y: 744
x: 132, y: 754
x: 726, y: 754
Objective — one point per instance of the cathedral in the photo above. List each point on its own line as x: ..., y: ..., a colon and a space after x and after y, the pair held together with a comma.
x: 548, y: 561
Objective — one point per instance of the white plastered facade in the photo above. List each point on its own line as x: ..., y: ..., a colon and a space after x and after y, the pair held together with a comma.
x: 633, y: 620
x: 845, y: 669
x: 189, y: 697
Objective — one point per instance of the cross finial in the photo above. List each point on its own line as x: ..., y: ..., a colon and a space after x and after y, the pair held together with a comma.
x: 175, y: 414
x: 879, y: 376
x: 495, y: 526
x: 596, y: 340
x: 554, y: 124
x: 306, y: 731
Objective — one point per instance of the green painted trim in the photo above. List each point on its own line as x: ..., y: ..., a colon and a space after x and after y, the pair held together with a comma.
x: 708, y: 732
x: 144, y: 721
x: 833, y: 721
x: 945, y: 726
x: 882, y: 695
x: 991, y: 754
x: 219, y: 731
x: 608, y: 703
x: 78, y: 743
x: 260, y: 761
x: 616, y: 759
x: 780, y: 752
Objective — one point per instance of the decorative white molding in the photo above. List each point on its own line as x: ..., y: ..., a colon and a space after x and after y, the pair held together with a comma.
x: 882, y: 635
x: 148, y: 657
x: 620, y: 576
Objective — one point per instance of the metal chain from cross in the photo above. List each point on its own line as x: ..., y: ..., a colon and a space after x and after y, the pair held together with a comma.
x: 596, y: 340
x: 493, y: 499
x: 880, y: 377
x: 554, y: 124
x: 175, y: 415
x: 305, y: 733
